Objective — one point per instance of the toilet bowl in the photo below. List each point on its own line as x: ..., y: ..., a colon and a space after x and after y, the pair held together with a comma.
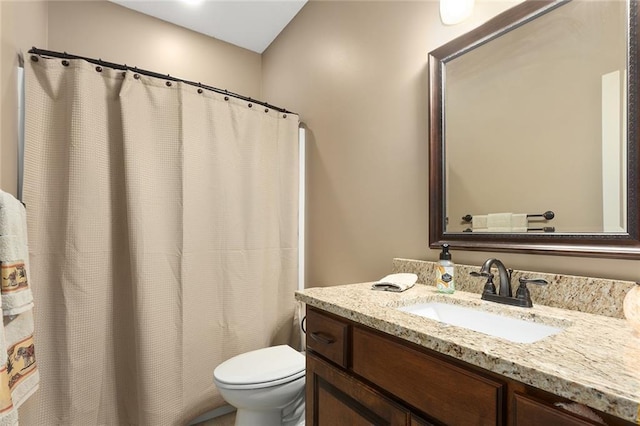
x: 266, y: 386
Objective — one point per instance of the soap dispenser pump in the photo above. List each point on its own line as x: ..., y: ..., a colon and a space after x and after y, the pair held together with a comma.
x: 445, y: 272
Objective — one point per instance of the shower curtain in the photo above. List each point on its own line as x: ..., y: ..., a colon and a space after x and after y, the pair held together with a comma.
x: 163, y: 240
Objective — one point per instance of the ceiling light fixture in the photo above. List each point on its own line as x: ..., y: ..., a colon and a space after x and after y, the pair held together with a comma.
x: 193, y: 2
x: 455, y: 11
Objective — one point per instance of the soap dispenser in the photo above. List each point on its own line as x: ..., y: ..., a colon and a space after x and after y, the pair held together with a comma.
x: 445, y: 272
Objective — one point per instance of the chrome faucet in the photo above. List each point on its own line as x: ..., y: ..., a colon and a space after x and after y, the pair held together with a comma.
x: 522, y: 298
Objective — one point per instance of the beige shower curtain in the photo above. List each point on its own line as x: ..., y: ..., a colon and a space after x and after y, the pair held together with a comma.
x: 163, y: 240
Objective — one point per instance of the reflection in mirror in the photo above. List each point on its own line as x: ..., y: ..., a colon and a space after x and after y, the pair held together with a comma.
x: 534, y: 122
x: 530, y: 114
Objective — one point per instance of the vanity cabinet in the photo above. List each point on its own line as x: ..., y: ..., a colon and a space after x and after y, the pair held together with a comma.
x: 445, y: 391
x: 336, y: 398
x: 359, y: 376
x: 530, y: 411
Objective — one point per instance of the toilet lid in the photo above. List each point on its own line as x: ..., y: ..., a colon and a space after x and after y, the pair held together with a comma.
x: 272, y: 364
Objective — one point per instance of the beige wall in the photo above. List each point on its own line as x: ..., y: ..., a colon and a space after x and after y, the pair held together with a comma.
x: 102, y: 29
x: 357, y: 74
x: 23, y: 25
x: 117, y: 34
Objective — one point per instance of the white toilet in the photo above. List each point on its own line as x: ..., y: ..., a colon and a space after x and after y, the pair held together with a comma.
x: 266, y: 386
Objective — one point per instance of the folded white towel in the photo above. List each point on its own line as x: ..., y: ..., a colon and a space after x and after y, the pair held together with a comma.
x: 396, y: 282
x: 499, y: 220
x: 479, y: 221
x: 500, y: 229
x: 519, y: 220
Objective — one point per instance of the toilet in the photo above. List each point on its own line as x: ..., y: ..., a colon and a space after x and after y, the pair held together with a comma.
x: 266, y: 386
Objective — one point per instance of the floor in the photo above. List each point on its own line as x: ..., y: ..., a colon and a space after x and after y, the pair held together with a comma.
x: 226, y: 420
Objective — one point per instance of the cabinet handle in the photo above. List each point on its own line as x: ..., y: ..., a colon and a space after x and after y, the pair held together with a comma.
x: 320, y: 337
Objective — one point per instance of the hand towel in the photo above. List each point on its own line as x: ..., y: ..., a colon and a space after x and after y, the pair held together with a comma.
x: 478, y: 221
x: 396, y: 282
x: 500, y: 229
x: 19, y: 376
x: 519, y: 222
x: 499, y: 220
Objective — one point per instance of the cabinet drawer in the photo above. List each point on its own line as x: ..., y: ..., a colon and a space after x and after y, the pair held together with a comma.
x: 327, y: 336
x: 533, y: 412
x: 445, y: 392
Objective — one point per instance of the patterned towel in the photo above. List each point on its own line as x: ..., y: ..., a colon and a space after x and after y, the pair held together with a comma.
x: 19, y: 375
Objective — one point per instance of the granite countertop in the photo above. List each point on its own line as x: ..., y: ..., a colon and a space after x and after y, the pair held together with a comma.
x: 594, y: 361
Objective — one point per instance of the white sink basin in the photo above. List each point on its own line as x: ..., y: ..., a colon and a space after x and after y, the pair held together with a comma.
x: 512, y: 329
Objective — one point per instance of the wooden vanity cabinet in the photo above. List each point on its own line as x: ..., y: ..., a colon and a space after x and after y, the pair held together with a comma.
x: 443, y: 391
x: 336, y: 398
x: 327, y: 336
x: 529, y: 411
x: 359, y: 376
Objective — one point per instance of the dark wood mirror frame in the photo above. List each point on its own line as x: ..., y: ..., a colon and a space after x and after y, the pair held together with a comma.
x: 594, y: 245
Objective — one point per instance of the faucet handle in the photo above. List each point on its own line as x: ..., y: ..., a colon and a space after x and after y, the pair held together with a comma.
x: 538, y: 281
x: 489, y: 286
x: 523, y: 292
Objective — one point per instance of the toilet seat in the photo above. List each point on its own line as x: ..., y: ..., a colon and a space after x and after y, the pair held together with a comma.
x: 261, y: 368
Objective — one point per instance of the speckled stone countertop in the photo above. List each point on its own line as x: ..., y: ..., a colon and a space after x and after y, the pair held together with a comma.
x: 595, y: 361
x: 585, y: 294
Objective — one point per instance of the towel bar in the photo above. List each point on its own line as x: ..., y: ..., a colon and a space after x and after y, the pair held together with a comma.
x: 548, y: 215
x: 543, y: 229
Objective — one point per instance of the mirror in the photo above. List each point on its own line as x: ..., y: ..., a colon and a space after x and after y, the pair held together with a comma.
x: 533, y: 132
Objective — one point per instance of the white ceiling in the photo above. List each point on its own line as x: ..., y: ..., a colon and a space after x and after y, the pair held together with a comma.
x: 252, y: 24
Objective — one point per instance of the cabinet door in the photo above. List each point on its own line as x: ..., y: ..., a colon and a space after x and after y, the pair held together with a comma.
x: 532, y: 412
x: 335, y: 398
x: 417, y: 421
x: 446, y: 392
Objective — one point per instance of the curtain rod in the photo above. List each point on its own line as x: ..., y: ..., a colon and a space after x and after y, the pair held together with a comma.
x: 125, y: 67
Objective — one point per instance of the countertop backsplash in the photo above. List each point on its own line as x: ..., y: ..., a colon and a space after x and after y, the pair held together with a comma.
x: 584, y: 294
